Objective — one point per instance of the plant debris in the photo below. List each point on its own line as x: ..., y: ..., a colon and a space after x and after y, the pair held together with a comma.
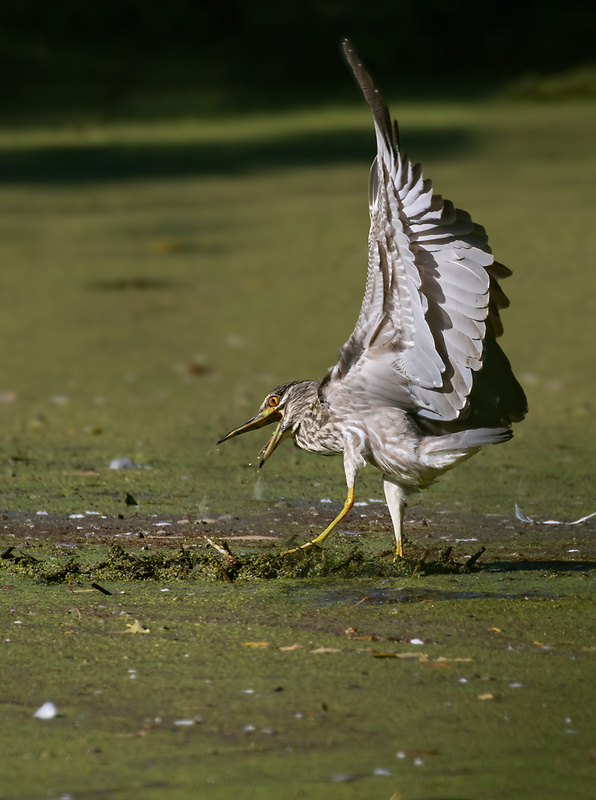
x: 215, y: 561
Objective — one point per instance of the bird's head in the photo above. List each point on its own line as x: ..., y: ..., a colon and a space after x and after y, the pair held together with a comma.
x: 286, y: 405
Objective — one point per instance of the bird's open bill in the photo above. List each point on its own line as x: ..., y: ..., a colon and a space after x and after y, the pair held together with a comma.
x: 265, y: 417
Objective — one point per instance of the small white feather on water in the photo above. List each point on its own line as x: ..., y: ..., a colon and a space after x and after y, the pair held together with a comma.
x: 524, y: 518
x: 122, y: 463
x: 47, y: 711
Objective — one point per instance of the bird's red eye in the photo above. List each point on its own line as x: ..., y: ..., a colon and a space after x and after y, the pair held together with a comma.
x: 273, y: 401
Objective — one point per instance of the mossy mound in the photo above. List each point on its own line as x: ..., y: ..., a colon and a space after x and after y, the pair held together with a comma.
x: 185, y: 564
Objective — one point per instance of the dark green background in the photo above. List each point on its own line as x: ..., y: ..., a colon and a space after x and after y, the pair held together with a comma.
x: 70, y: 55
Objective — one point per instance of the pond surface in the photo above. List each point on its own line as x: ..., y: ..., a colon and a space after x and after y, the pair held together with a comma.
x: 152, y: 298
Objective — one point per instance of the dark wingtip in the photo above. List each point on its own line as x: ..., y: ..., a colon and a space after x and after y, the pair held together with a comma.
x: 371, y: 93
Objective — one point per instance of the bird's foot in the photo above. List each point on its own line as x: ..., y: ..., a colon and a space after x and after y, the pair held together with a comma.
x: 300, y: 547
x: 322, y: 536
x: 399, y: 553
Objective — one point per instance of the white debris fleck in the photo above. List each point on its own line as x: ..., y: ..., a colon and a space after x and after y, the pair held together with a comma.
x: 325, y: 500
x: 161, y: 524
x: 515, y: 685
x: 463, y: 680
x: 361, y: 503
x: 401, y: 754
x: 76, y: 516
x: 47, y: 711
x: 248, y: 691
x: 574, y: 550
x: 123, y: 463
x: 42, y: 513
x: 92, y: 513
x: 466, y: 540
x: 183, y: 722
x: 249, y: 728
x: 416, y: 641
x: 418, y: 762
x: 380, y: 772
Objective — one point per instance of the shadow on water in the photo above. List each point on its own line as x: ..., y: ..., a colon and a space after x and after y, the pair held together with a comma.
x: 74, y: 164
x: 138, y: 283
x: 413, y: 595
x: 556, y: 567
x: 408, y: 595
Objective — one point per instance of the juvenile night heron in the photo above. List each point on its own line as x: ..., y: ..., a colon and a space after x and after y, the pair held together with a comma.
x: 421, y: 384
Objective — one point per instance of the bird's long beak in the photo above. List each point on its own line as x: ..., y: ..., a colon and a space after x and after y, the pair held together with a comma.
x: 265, y: 417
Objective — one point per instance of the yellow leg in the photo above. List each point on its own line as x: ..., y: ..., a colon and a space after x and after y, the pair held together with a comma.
x: 322, y: 536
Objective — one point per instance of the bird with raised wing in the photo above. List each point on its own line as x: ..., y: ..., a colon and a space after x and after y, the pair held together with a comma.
x: 421, y: 384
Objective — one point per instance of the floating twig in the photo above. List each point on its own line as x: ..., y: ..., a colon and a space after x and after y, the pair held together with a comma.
x: 471, y: 562
x: 100, y: 588
x: 222, y: 548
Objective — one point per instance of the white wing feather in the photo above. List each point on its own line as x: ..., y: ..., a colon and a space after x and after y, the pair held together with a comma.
x: 419, y: 337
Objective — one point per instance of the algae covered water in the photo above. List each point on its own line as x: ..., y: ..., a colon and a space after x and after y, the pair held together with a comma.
x: 471, y: 687
x: 158, y: 281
